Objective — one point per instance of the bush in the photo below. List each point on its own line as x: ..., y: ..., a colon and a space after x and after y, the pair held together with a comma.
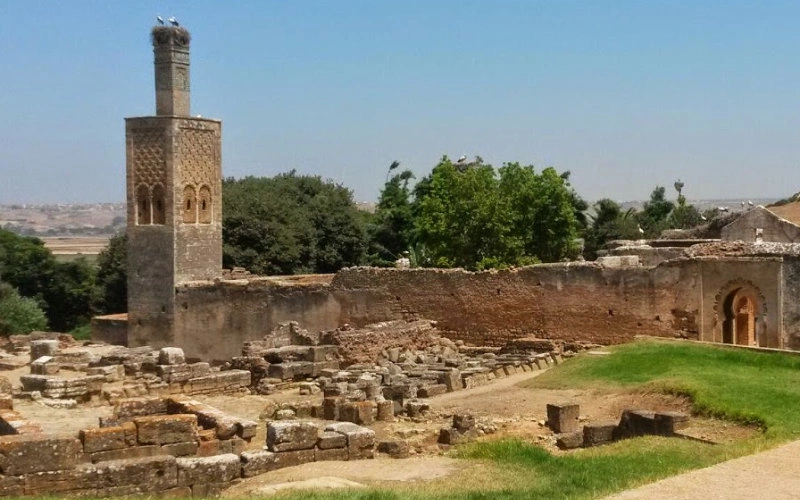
x: 19, y: 315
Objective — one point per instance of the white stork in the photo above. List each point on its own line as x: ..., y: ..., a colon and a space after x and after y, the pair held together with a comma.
x: 160, y: 20
x: 462, y: 159
x: 174, y: 21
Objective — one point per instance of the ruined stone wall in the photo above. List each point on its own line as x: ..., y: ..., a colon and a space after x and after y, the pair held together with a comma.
x: 569, y: 301
x: 791, y: 306
x: 721, y: 276
x: 773, y: 228
x: 214, y: 320
x: 584, y: 302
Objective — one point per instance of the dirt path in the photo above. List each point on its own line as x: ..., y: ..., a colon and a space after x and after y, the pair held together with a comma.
x: 771, y: 474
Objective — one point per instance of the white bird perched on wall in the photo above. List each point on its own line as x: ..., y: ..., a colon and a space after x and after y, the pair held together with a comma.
x: 749, y: 203
x: 174, y: 21
x: 462, y: 159
x: 160, y: 19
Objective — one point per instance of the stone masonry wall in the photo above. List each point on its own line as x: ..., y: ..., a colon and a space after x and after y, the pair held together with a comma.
x: 585, y: 302
x: 147, y: 449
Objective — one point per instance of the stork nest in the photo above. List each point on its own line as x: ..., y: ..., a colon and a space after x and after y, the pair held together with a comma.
x: 166, y: 35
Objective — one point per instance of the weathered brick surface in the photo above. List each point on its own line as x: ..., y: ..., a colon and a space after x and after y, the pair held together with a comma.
x: 23, y: 454
x: 166, y: 429
x: 563, y: 417
x: 292, y: 458
x: 102, y: 439
x: 330, y: 439
x: 126, y: 453
x: 331, y: 454
x: 291, y: 435
x: 216, y: 469
x: 360, y: 440
x: 258, y: 462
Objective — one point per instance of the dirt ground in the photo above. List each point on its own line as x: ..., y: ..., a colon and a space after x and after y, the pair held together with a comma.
x: 513, y: 410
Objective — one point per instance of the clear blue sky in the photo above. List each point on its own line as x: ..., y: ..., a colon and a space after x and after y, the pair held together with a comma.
x: 625, y: 94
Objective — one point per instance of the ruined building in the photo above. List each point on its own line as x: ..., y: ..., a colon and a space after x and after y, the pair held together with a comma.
x: 741, y: 292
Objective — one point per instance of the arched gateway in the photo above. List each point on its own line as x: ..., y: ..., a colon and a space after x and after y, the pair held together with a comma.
x: 740, y: 314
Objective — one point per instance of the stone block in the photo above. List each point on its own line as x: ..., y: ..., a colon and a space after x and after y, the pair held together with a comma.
x: 246, y: 429
x: 41, y: 348
x: 416, y: 408
x: 332, y: 454
x: 598, y: 433
x: 126, y: 453
x: 22, y: 454
x: 208, y: 417
x: 636, y: 423
x: 139, y: 407
x: 166, y: 429
x: 32, y: 383
x: 429, y: 391
x: 329, y: 439
x: 208, y: 490
x: 291, y: 435
x: 180, y: 449
x: 322, y: 353
x: 463, y: 422
x: 292, y: 458
x: 12, y: 486
x: 112, y: 373
x: 207, y: 448
x: 145, y: 475
x: 331, y: 406
x: 258, y: 462
x: 216, y: 469
x: 282, y: 371
x: 102, y: 439
x: 569, y: 440
x: 6, y: 402
x: 360, y: 440
x: 453, y: 436
x: 668, y: 422
x: 45, y: 365
x: 395, y: 448
x: 386, y: 411
x: 562, y: 418
x: 171, y: 356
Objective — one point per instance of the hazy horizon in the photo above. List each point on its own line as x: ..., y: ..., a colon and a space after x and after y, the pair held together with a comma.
x: 625, y: 95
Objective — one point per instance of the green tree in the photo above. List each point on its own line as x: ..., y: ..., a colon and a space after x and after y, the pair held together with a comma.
x: 460, y: 218
x: 19, y: 315
x: 471, y: 216
x: 290, y: 224
x: 654, y: 215
x: 609, y: 223
x: 390, y: 230
x: 112, y: 275
x: 65, y: 291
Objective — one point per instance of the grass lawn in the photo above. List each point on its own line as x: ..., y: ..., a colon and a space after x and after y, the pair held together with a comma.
x: 750, y: 387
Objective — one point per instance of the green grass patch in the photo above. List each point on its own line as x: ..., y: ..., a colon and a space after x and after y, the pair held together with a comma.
x: 745, y: 386
x: 82, y: 332
x: 740, y: 385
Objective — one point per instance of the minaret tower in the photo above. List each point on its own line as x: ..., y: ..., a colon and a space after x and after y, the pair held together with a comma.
x: 174, y: 194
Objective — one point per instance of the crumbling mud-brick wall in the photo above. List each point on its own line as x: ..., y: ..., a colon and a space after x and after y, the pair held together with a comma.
x: 214, y: 319
x: 584, y: 302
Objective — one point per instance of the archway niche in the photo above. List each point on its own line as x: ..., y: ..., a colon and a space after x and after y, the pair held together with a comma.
x: 204, y: 205
x: 189, y: 205
x: 742, y: 317
x: 143, y: 216
x: 159, y: 207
